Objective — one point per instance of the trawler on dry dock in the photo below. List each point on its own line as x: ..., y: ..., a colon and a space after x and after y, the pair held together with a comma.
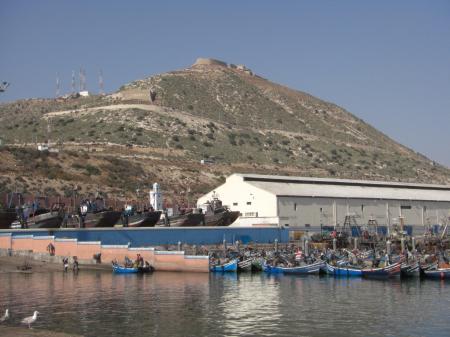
x: 211, y: 213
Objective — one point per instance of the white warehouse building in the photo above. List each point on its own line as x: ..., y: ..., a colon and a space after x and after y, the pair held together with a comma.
x: 266, y: 200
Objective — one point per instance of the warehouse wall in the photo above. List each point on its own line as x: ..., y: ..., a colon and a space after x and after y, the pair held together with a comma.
x: 299, y: 211
x: 245, y: 198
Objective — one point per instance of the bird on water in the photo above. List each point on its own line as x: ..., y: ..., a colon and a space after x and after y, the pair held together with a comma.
x: 5, y: 316
x: 30, y: 320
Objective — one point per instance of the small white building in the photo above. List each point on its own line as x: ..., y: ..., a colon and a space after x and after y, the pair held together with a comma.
x: 266, y: 200
x: 42, y: 147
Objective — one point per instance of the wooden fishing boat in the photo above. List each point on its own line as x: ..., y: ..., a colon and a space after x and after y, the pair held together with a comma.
x: 140, y: 219
x: 131, y: 270
x: 439, y: 273
x: 42, y: 218
x: 313, y: 268
x: 384, y: 272
x: 231, y: 266
x: 245, y: 265
x: 7, y: 216
x: 343, y: 271
x: 257, y: 264
x: 410, y: 269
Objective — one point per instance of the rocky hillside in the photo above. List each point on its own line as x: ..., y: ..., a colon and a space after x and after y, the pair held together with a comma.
x: 160, y: 128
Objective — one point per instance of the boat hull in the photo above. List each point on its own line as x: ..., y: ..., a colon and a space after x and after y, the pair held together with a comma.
x: 410, y: 270
x: 146, y: 219
x: 7, y: 217
x: 126, y: 270
x: 392, y: 270
x: 224, y: 218
x: 440, y: 274
x: 100, y: 219
x: 309, y: 269
x: 245, y: 265
x: 45, y: 220
x: 343, y: 271
x: 187, y: 220
x: 231, y: 266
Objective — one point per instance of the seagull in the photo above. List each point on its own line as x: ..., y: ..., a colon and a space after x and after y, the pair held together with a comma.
x: 30, y: 320
x: 5, y: 316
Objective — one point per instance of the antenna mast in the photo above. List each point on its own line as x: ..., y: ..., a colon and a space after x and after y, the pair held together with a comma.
x: 100, y: 82
x: 58, y: 85
x: 73, y: 81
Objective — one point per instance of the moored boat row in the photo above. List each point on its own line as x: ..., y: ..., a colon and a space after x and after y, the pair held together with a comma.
x: 401, y: 267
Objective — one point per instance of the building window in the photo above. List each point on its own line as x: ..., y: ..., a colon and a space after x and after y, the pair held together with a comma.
x: 405, y: 207
x: 235, y: 203
x: 295, y: 206
x: 249, y: 202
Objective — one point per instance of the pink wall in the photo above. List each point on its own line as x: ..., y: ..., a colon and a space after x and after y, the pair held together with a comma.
x: 167, y: 261
x: 87, y: 251
x: 23, y: 243
x: 40, y: 245
x: 5, y: 242
x: 66, y: 248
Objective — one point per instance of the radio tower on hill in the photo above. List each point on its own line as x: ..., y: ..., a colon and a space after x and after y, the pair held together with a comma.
x: 100, y: 82
x: 58, y: 85
x: 82, y: 80
x: 73, y: 81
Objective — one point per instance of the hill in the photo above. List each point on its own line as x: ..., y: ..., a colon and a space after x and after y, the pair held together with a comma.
x: 161, y: 127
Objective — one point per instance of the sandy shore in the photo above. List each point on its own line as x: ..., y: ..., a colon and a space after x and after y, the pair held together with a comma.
x: 20, y: 264
x: 12, y: 331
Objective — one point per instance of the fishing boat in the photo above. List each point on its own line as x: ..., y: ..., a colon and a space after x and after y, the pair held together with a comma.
x: 231, y: 266
x: 345, y: 271
x: 438, y: 273
x: 410, y: 269
x: 8, y: 212
x: 313, y: 268
x: 245, y: 265
x: 7, y: 216
x: 95, y: 214
x: 190, y: 218
x: 131, y: 270
x: 41, y: 218
x: 216, y: 214
x: 257, y: 264
x: 140, y: 219
x: 384, y: 272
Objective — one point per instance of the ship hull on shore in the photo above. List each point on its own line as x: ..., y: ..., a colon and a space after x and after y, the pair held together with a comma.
x: 100, y: 219
x: 7, y: 216
x: 144, y: 219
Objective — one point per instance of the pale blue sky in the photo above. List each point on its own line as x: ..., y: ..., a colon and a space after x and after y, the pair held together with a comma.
x: 387, y: 62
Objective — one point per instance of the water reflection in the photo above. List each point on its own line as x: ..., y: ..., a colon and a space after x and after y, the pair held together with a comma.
x: 180, y: 304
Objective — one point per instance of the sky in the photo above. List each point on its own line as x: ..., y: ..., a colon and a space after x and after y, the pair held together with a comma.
x: 387, y: 62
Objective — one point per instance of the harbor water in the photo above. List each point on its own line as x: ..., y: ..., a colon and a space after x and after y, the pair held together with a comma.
x: 184, y: 304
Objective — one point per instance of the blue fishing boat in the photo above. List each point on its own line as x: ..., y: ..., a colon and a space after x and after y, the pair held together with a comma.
x: 440, y: 273
x: 437, y: 273
x: 384, y: 272
x: 343, y: 271
x: 231, y: 266
x: 272, y: 269
x: 131, y: 270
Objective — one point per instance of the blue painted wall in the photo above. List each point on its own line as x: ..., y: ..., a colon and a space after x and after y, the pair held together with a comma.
x: 160, y: 236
